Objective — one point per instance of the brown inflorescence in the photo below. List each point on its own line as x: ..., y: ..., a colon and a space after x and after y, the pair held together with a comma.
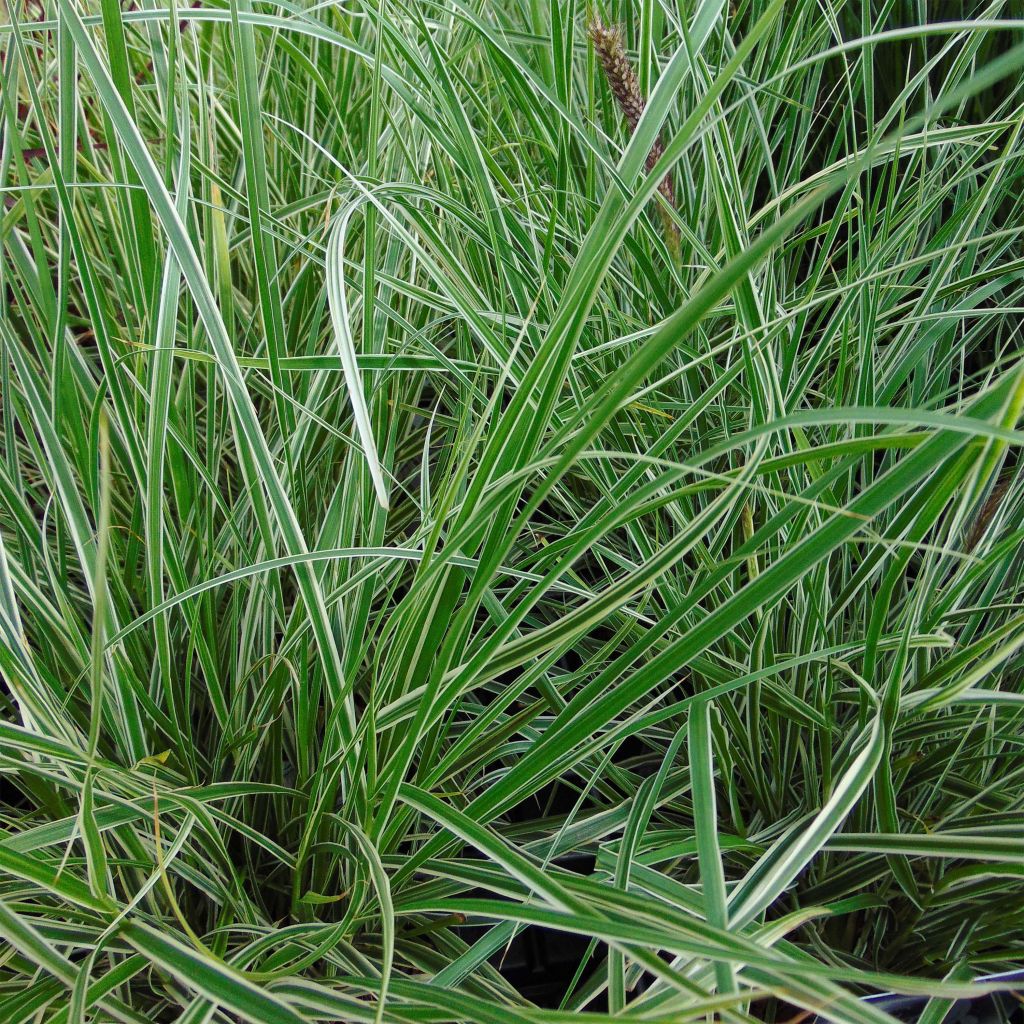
x: 625, y: 87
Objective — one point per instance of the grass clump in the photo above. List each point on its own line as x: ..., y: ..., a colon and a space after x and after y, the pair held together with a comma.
x: 438, y: 510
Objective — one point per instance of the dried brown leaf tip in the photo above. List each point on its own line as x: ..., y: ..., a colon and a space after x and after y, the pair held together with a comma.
x: 987, y: 513
x: 625, y: 87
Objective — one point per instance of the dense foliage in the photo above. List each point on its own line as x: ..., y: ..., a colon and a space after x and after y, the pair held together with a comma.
x: 461, y: 486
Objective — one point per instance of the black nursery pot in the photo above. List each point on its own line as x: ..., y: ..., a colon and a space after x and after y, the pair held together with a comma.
x: 540, y: 963
x: 991, y: 1008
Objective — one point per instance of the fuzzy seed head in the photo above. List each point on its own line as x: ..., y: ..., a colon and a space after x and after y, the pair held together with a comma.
x: 621, y: 77
x: 625, y: 86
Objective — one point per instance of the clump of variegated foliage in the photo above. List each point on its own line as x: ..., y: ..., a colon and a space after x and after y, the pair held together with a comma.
x: 439, y: 508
